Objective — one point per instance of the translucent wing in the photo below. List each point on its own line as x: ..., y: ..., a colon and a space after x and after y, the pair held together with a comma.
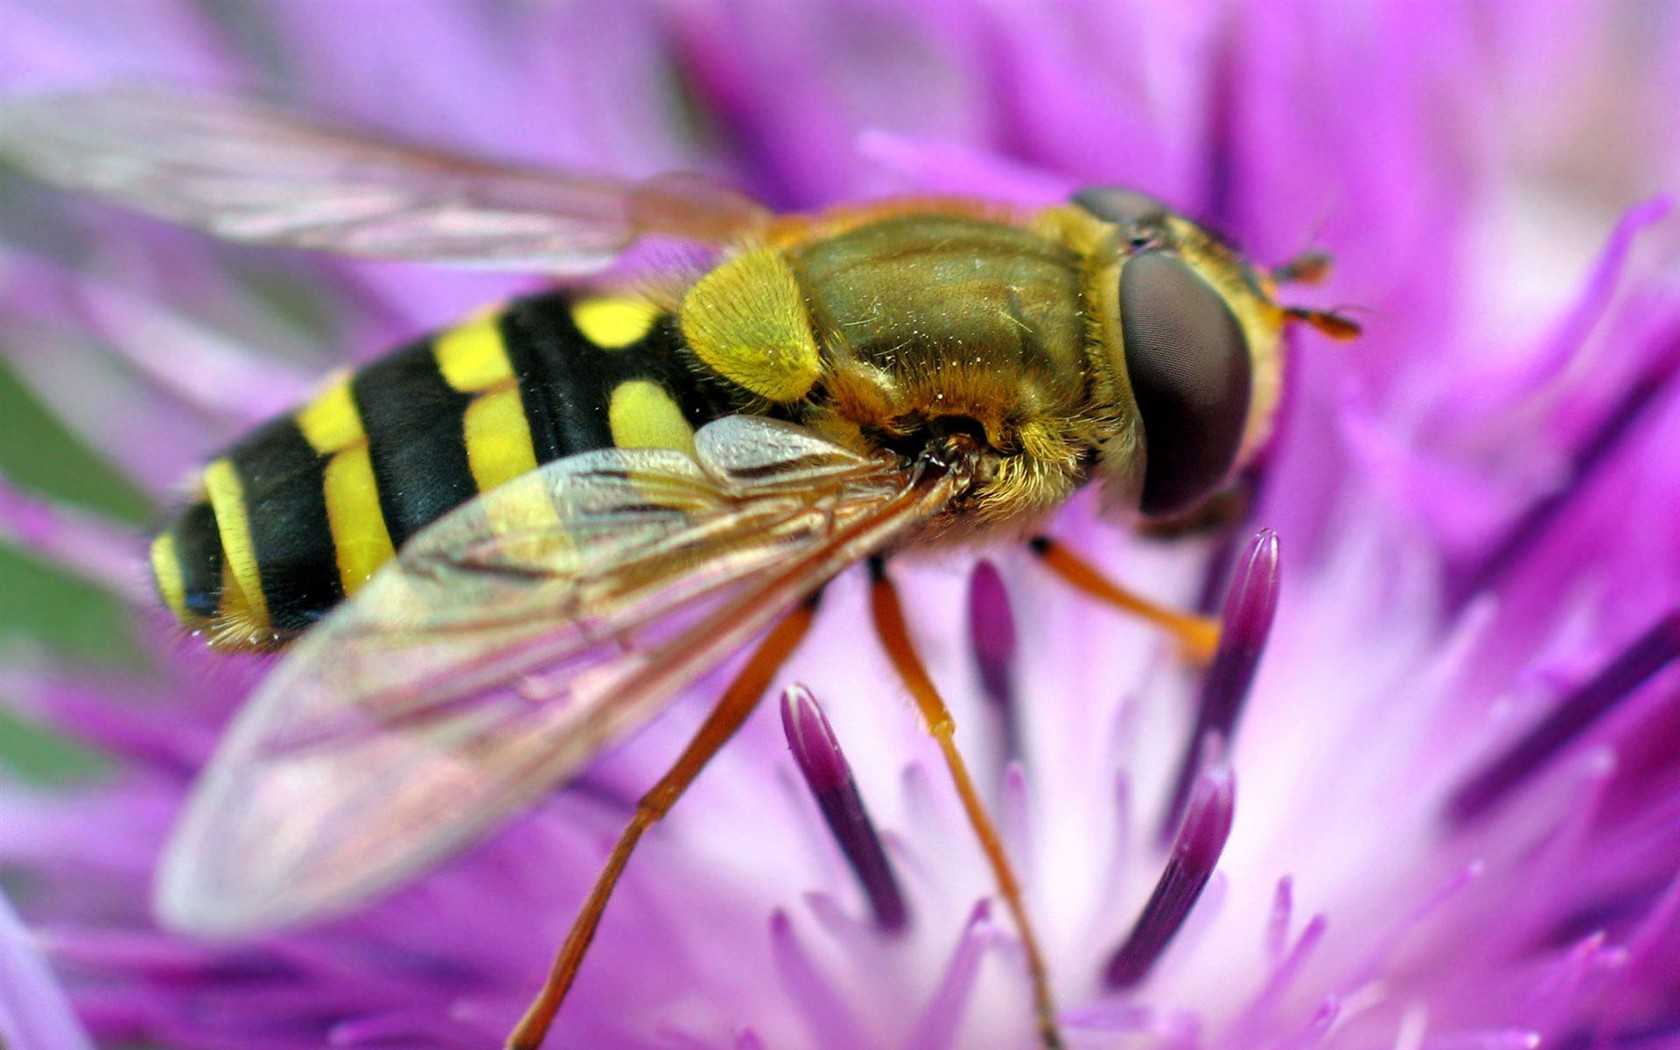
x: 252, y: 172
x: 505, y: 647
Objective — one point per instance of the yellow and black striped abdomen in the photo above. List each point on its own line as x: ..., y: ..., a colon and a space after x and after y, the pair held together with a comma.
x: 298, y: 515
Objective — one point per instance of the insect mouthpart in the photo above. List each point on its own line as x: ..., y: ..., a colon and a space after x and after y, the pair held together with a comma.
x: 958, y: 445
x: 942, y: 443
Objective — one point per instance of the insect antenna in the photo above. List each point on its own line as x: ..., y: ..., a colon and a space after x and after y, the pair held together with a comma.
x: 1332, y: 323
x: 1307, y: 268
x: 1312, y: 267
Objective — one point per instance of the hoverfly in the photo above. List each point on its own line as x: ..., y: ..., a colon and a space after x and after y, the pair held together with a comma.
x: 511, y: 543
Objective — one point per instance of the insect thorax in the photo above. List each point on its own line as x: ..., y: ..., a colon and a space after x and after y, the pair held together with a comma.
x: 897, y: 330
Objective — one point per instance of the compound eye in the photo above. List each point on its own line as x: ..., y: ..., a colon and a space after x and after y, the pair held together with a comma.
x: 1191, y: 375
x: 1126, y: 207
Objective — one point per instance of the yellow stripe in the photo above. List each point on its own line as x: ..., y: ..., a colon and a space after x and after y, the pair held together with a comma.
x: 166, y: 570
x: 331, y: 422
x: 358, y: 528
x: 333, y: 427
x: 642, y: 415
x: 472, y: 356
x: 243, y: 603
x: 614, y: 324
x: 498, y: 438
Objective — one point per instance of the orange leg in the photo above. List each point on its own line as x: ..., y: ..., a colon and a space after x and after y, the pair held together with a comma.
x: 895, y: 638
x: 1198, y: 636
x: 731, y: 711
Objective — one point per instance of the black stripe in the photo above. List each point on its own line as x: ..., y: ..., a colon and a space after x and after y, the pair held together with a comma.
x: 414, y: 423
x: 663, y: 358
x: 285, y: 502
x: 198, y: 554
x: 564, y: 379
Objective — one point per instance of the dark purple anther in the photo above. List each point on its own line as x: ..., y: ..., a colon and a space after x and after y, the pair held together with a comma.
x: 1195, y: 852
x: 1245, y: 624
x: 992, y: 624
x: 1572, y: 716
x: 818, y: 754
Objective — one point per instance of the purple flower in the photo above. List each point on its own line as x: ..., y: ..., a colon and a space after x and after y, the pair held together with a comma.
x: 1425, y: 796
x: 33, y: 1009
